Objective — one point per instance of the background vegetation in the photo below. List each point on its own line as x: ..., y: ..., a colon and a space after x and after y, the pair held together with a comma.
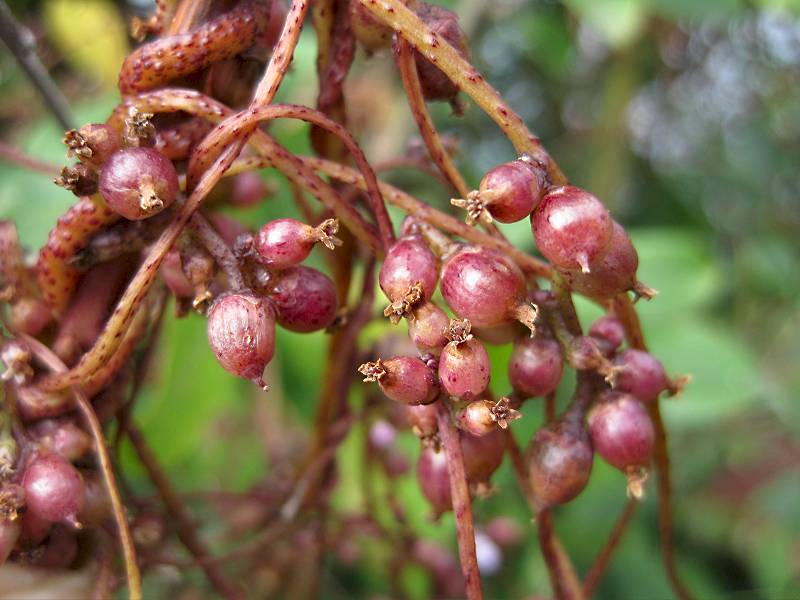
x: 684, y: 117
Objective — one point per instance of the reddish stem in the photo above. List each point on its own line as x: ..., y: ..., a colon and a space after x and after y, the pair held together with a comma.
x: 217, y: 247
x: 604, y: 557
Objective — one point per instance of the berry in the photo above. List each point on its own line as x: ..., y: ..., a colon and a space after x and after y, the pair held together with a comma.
x: 572, y: 228
x: 408, y: 275
x: 483, y: 416
x: 609, y: 329
x: 304, y: 299
x: 464, y: 366
x: 404, y: 379
x: 623, y: 435
x: 535, y: 366
x: 486, y: 287
x: 611, y: 274
x: 422, y: 419
x: 559, y: 461
x: 444, y: 24
x: 641, y: 374
x: 509, y: 192
x: 62, y: 436
x: 284, y: 243
x: 248, y: 189
x: 483, y: 455
x: 428, y: 327
x: 138, y: 182
x: 241, y: 332
x: 434, y: 480
x: 54, y: 489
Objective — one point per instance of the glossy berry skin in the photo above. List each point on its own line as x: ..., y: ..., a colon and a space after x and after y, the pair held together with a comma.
x: 404, y: 379
x: 138, y: 182
x: 559, y: 462
x: 640, y: 374
x: 483, y: 454
x: 622, y: 432
x: 482, y: 285
x: 428, y: 327
x: 434, y: 480
x: 512, y: 190
x: 611, y: 274
x: 535, y: 366
x: 284, y: 243
x: 610, y: 329
x: 304, y: 299
x: 409, y: 261
x: 572, y: 228
x: 241, y: 332
x: 54, y: 489
x: 464, y: 369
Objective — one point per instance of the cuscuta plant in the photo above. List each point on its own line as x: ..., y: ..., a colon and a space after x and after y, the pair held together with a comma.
x: 260, y: 281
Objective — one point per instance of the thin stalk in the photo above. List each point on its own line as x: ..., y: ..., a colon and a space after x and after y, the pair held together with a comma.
x: 217, y: 247
x: 547, y: 546
x: 49, y: 358
x: 15, y: 156
x: 459, y: 490
x: 604, y: 557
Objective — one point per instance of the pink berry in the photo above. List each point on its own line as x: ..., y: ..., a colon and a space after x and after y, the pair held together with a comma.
x: 610, y: 329
x: 138, y: 182
x: 428, y: 328
x: 572, y: 228
x: 241, y: 332
x: 640, y: 374
x: 464, y: 369
x: 535, y: 366
x: 54, y: 489
x: 404, y: 379
x: 434, y: 480
x: 248, y: 189
x: 483, y: 454
x: 422, y: 419
x: 62, y: 436
x: 285, y: 243
x: 408, y: 275
x: 304, y: 299
x: 485, y: 287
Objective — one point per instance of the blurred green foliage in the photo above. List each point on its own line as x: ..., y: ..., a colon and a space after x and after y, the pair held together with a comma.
x: 684, y: 117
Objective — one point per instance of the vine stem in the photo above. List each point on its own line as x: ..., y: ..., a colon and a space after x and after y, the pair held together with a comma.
x: 406, y: 65
x: 604, y: 557
x: 178, y: 511
x: 459, y: 490
x: 217, y: 247
x: 438, y: 51
x: 49, y: 358
x: 623, y: 307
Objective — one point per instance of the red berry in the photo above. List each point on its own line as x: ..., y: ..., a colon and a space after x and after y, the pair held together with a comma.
x: 428, y: 328
x: 138, y: 182
x: 535, y: 366
x: 404, y: 379
x: 485, y: 287
x: 610, y: 329
x: 623, y: 435
x: 483, y: 455
x: 434, y: 480
x: 285, y: 243
x: 641, y: 374
x: 509, y: 192
x: 54, y: 489
x: 572, y: 228
x: 304, y: 299
x: 241, y: 332
x: 559, y: 461
x: 464, y: 368
x: 408, y: 275
x: 422, y: 419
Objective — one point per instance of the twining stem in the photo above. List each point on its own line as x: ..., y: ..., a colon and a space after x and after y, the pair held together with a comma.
x: 407, y: 67
x: 436, y: 49
x: 459, y: 491
x: 623, y: 307
x: 178, y: 511
x: 49, y: 358
x: 604, y: 557
x: 217, y: 248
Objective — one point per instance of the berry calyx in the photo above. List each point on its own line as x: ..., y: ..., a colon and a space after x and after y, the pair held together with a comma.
x: 138, y: 182
x: 284, y: 243
x: 404, y: 379
x: 484, y: 416
x: 92, y: 144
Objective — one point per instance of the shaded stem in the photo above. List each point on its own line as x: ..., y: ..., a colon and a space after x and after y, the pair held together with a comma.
x: 459, y: 490
x: 178, y: 511
x: 604, y: 557
x: 54, y: 363
x: 217, y: 247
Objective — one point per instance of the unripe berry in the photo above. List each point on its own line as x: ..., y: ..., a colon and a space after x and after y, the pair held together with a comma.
x: 428, y: 327
x: 464, y: 366
x: 304, y: 299
x: 285, y: 243
x: 434, y: 480
x: 138, y: 182
x: 509, y: 192
x: 408, y: 275
x: 559, y: 461
x: 54, y: 489
x: 623, y: 435
x: 241, y: 332
x: 641, y: 374
x: 404, y: 379
x: 486, y: 287
x: 572, y: 228
x: 535, y: 366
x: 610, y: 274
